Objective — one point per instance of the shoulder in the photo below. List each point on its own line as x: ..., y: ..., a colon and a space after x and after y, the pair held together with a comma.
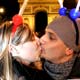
x: 75, y: 73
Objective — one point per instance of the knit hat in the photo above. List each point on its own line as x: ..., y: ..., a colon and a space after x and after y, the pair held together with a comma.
x: 64, y: 27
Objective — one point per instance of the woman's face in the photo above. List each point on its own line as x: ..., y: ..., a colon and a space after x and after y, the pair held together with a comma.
x: 28, y: 51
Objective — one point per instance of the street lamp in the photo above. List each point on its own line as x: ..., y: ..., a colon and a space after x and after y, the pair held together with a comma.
x: 1, y: 10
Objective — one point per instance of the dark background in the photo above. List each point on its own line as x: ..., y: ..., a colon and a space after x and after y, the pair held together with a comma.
x: 11, y: 8
x: 70, y: 4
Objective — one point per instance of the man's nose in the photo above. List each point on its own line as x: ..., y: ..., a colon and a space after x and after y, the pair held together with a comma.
x: 36, y: 38
x: 42, y: 41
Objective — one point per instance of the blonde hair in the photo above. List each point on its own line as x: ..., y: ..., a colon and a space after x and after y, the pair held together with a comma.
x: 22, y: 34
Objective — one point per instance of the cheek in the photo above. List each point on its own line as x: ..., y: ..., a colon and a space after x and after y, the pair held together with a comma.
x: 54, y: 51
x: 27, y: 54
x: 30, y: 52
x: 51, y: 48
x: 57, y: 47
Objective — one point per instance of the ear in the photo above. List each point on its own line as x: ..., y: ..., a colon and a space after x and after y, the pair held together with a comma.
x: 69, y: 51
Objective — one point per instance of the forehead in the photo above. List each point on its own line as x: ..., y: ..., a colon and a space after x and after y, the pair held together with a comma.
x: 26, y: 45
x: 51, y: 32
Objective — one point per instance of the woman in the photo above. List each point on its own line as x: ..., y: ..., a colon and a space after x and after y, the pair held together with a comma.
x: 17, y: 48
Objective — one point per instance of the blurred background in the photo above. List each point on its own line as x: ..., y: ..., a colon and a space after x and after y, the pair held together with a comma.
x: 8, y: 8
x: 38, y: 13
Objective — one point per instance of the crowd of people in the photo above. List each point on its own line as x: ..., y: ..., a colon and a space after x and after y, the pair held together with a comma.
x: 57, y: 51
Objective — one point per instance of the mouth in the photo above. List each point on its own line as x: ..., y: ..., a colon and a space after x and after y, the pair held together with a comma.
x: 42, y: 50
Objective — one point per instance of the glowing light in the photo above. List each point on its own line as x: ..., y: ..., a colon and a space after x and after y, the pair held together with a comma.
x: 74, y: 15
x: 77, y: 7
x: 62, y: 11
x: 1, y: 10
x: 61, y: 3
x: 23, y: 7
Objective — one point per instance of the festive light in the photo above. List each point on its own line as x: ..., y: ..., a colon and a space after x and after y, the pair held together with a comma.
x: 17, y: 19
x: 62, y: 11
x: 77, y: 7
x: 23, y: 7
x: 61, y: 3
x: 73, y: 14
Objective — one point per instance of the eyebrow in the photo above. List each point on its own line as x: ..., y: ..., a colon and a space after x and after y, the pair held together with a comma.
x: 52, y: 34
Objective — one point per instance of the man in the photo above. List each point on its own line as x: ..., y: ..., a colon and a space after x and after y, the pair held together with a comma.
x: 60, y: 48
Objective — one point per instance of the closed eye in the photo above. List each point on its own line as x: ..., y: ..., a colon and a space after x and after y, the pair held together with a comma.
x: 52, y: 36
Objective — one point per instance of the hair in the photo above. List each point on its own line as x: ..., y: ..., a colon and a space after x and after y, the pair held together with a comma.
x: 22, y: 34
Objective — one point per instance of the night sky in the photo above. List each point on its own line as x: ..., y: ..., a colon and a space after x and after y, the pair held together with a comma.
x: 11, y: 8
x: 69, y: 4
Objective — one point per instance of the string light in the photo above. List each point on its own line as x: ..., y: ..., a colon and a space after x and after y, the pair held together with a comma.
x: 17, y: 19
x: 74, y: 13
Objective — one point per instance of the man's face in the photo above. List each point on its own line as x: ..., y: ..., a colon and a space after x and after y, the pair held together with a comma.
x: 53, y: 49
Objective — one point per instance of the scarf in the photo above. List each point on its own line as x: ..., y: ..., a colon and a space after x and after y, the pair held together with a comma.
x: 59, y: 71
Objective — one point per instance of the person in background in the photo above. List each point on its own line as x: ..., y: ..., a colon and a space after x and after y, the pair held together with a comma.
x: 61, y: 49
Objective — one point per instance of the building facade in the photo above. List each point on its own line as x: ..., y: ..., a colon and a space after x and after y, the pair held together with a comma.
x: 40, y: 11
